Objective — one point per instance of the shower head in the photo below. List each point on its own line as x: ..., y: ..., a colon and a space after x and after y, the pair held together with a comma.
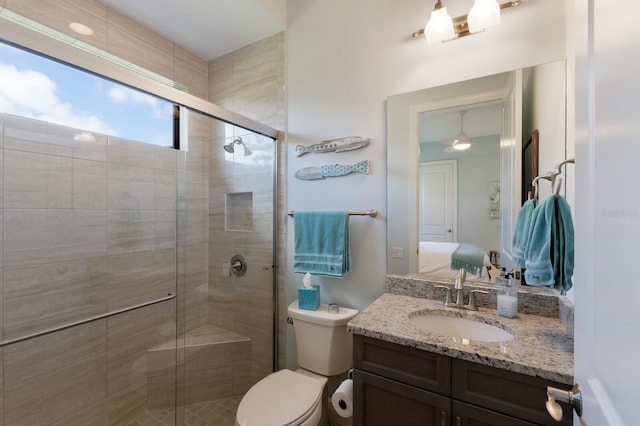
x: 229, y: 148
x: 237, y: 141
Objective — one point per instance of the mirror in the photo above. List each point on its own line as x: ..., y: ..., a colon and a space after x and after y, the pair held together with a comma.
x: 483, y: 184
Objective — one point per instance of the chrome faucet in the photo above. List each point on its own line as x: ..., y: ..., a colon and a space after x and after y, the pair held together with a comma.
x: 459, y: 288
x: 462, y: 276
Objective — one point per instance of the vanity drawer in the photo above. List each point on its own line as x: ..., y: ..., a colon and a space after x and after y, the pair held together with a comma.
x: 507, y: 392
x: 408, y: 365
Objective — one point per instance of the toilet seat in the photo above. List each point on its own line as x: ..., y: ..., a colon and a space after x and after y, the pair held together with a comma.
x: 284, y: 398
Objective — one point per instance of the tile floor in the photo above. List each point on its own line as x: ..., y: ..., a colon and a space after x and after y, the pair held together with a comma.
x: 221, y: 412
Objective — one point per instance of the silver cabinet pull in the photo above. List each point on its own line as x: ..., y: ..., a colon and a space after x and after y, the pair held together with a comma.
x: 443, y: 418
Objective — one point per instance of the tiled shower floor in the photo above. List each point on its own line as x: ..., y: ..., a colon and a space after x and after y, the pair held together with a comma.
x: 221, y: 412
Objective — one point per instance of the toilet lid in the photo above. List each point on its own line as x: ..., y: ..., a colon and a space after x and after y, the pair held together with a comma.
x: 281, y: 398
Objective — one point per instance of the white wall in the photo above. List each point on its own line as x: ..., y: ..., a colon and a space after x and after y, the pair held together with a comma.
x: 545, y: 106
x: 343, y: 59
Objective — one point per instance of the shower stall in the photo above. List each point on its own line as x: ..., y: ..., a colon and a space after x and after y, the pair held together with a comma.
x: 138, y: 282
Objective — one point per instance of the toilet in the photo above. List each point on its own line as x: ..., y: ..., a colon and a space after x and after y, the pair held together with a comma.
x: 295, y: 398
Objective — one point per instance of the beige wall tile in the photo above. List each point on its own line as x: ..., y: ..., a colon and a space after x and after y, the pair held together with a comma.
x: 51, y: 377
x: 132, y: 153
x: 129, y: 337
x: 123, y: 24
x: 41, y: 297
x: 132, y: 231
x: 165, y: 159
x: 242, y: 379
x: 2, y: 387
x: 165, y: 190
x: 25, y: 134
x: 222, y: 80
x: 132, y: 42
x: 89, y: 184
x: 59, y: 14
x: 124, y: 407
x: 95, y: 414
x: 139, y: 277
x: 131, y: 187
x: 37, y: 181
x: 191, y: 71
x: 208, y: 384
x: 49, y: 236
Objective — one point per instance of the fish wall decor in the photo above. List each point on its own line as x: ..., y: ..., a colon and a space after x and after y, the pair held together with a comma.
x: 348, y: 143
x: 333, y: 170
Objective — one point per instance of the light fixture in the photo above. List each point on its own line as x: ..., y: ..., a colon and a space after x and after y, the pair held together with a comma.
x: 440, y: 25
x: 483, y: 14
x: 81, y: 28
x: 462, y: 140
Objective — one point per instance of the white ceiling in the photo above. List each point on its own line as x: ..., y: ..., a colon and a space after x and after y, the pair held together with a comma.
x: 211, y: 28
x: 443, y: 126
x: 208, y: 28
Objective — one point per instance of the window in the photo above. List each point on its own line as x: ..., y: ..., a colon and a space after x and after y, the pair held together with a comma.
x: 41, y: 88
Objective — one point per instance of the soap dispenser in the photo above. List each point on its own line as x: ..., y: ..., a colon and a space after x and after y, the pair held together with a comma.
x: 507, y: 295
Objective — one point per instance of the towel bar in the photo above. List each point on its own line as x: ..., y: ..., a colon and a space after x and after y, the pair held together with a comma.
x: 370, y: 213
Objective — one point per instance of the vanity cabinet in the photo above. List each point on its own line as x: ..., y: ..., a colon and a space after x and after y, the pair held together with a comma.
x: 396, y: 384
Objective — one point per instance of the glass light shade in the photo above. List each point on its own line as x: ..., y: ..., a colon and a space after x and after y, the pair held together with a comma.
x: 483, y: 14
x: 461, y: 142
x: 439, y: 27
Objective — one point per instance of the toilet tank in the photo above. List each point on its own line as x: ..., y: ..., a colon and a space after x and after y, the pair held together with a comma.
x: 323, y: 343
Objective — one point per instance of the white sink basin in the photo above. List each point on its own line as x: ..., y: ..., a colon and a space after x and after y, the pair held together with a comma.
x: 461, y: 328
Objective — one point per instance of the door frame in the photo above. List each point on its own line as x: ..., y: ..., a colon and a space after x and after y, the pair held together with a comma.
x: 414, y: 149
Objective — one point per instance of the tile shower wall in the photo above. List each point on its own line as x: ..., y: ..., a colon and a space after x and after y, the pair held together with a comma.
x: 88, y: 227
x: 249, y: 81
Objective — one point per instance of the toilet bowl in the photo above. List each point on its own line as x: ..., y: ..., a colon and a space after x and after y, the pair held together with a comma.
x: 295, y: 398
x: 284, y: 398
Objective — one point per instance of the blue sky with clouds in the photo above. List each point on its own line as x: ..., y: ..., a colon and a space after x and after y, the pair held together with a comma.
x: 40, y: 88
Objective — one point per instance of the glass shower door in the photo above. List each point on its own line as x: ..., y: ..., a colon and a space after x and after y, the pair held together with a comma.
x: 226, y: 339
x: 88, y: 275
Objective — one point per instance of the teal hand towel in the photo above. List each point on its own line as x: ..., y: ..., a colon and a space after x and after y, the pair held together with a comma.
x: 521, y: 232
x: 563, y: 236
x: 539, y: 268
x: 468, y: 256
x: 321, y: 242
x: 549, y: 258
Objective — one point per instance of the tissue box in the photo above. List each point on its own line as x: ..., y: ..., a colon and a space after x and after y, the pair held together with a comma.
x: 309, y: 298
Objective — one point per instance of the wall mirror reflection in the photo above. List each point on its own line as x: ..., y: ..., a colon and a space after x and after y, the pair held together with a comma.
x: 440, y: 196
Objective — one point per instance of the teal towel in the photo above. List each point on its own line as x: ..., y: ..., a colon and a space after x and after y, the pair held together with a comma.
x: 563, y: 234
x: 321, y: 242
x: 521, y: 232
x: 549, y: 257
x: 468, y: 256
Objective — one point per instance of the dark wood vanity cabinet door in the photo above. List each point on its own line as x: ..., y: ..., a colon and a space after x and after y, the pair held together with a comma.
x: 463, y: 414
x: 384, y: 402
x: 408, y: 365
x: 514, y: 394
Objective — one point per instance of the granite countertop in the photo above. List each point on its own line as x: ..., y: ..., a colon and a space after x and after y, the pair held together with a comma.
x: 542, y: 346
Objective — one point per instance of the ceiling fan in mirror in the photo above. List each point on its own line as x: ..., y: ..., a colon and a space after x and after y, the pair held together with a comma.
x: 461, y: 141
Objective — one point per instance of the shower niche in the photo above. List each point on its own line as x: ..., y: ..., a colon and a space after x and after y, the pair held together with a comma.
x: 238, y: 211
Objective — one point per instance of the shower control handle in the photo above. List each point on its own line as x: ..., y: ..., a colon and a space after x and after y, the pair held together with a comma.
x: 238, y: 265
